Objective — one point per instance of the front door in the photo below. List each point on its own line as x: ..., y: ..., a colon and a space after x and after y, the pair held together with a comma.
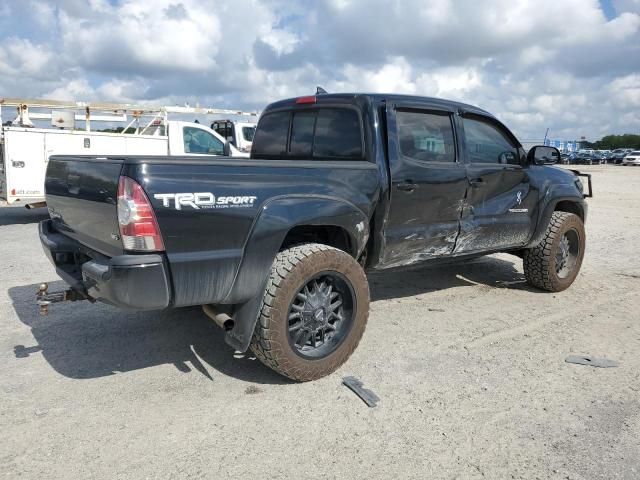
x: 428, y: 185
x: 500, y: 203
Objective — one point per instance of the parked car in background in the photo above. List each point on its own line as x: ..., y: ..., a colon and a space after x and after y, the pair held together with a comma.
x: 632, y: 159
x: 598, y: 158
x: 619, y: 154
x: 605, y: 155
x: 573, y: 158
x: 584, y: 158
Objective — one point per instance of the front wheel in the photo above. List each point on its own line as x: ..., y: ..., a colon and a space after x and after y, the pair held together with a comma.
x: 555, y: 262
x: 314, y: 312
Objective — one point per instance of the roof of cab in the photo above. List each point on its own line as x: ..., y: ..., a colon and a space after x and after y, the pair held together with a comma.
x: 379, y: 97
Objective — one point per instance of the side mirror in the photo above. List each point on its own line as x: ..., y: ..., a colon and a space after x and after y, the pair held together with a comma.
x: 227, y: 149
x: 543, y: 155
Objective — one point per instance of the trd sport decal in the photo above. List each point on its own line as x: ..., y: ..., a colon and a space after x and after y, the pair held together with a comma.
x: 203, y: 200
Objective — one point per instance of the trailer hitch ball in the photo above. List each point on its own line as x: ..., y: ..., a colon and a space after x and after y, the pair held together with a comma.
x: 44, y: 298
x: 42, y: 303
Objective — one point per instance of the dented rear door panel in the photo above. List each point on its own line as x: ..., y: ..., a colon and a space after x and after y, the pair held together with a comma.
x: 426, y: 200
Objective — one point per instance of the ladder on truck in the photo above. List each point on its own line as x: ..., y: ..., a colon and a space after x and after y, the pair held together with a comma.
x: 64, y: 113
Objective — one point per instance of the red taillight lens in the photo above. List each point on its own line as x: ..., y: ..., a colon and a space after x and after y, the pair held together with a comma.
x: 311, y: 99
x: 138, y: 226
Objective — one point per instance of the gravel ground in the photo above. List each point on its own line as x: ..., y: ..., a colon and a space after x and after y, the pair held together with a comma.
x: 467, y: 360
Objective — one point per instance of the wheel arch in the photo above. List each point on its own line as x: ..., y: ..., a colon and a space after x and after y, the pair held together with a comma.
x: 284, y: 222
x: 569, y: 204
x: 333, y: 235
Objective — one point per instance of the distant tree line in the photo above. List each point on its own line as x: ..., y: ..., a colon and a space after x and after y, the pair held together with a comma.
x: 611, y: 142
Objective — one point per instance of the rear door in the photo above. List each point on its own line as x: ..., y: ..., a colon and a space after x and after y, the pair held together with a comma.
x: 428, y: 185
x: 24, y: 164
x: 500, y: 202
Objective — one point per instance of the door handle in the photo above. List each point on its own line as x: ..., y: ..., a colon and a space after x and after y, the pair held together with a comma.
x: 407, y: 186
x: 476, y: 182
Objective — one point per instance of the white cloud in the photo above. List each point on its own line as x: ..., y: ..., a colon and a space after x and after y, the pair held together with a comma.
x: 143, y: 36
x: 625, y: 91
x: 20, y: 57
x: 534, y: 63
x: 72, y: 90
x: 395, y: 76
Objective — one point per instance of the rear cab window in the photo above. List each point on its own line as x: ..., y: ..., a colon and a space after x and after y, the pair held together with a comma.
x: 319, y: 133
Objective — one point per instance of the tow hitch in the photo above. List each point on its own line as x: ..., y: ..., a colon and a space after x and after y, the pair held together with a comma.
x: 44, y: 298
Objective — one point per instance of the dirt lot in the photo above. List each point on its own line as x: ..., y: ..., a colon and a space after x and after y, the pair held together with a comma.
x: 468, y: 362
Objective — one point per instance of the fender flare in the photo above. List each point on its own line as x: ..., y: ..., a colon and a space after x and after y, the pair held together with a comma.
x: 276, y: 218
x: 547, y: 211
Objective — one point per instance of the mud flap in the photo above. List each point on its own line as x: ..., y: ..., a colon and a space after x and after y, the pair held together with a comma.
x: 245, y: 318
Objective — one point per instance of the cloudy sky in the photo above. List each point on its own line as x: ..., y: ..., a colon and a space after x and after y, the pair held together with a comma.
x: 570, y: 65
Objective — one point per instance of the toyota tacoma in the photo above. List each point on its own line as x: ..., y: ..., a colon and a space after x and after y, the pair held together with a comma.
x: 275, y: 247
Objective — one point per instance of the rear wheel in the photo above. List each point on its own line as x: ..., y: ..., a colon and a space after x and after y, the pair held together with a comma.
x: 314, y: 312
x: 555, y: 262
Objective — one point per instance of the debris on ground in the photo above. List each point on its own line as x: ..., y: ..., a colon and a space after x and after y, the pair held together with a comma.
x: 357, y: 387
x: 591, y: 361
x: 252, y: 390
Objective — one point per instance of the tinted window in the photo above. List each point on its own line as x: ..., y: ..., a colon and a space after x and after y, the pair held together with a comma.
x: 322, y: 133
x: 302, y: 128
x: 426, y: 136
x: 487, y: 144
x: 338, y: 134
x: 271, y: 135
x: 248, y: 132
x: 199, y: 141
x: 225, y: 129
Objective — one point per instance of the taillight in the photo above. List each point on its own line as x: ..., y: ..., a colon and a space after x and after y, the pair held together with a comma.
x: 138, y: 226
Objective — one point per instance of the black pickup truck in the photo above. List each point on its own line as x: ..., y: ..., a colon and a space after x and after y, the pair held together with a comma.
x: 276, y: 247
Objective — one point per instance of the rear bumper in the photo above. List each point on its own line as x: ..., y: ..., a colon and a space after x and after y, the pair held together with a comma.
x: 130, y: 282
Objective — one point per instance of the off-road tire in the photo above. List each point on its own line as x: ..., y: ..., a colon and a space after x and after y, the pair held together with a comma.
x: 290, y: 271
x: 540, y: 262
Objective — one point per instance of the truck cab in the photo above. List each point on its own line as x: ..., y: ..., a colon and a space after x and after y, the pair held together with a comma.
x: 193, y: 139
x: 239, y: 134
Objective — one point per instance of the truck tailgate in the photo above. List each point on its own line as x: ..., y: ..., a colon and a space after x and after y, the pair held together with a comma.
x: 81, y: 194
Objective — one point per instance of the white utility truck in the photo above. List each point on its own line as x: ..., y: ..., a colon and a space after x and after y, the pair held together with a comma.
x: 26, y: 143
